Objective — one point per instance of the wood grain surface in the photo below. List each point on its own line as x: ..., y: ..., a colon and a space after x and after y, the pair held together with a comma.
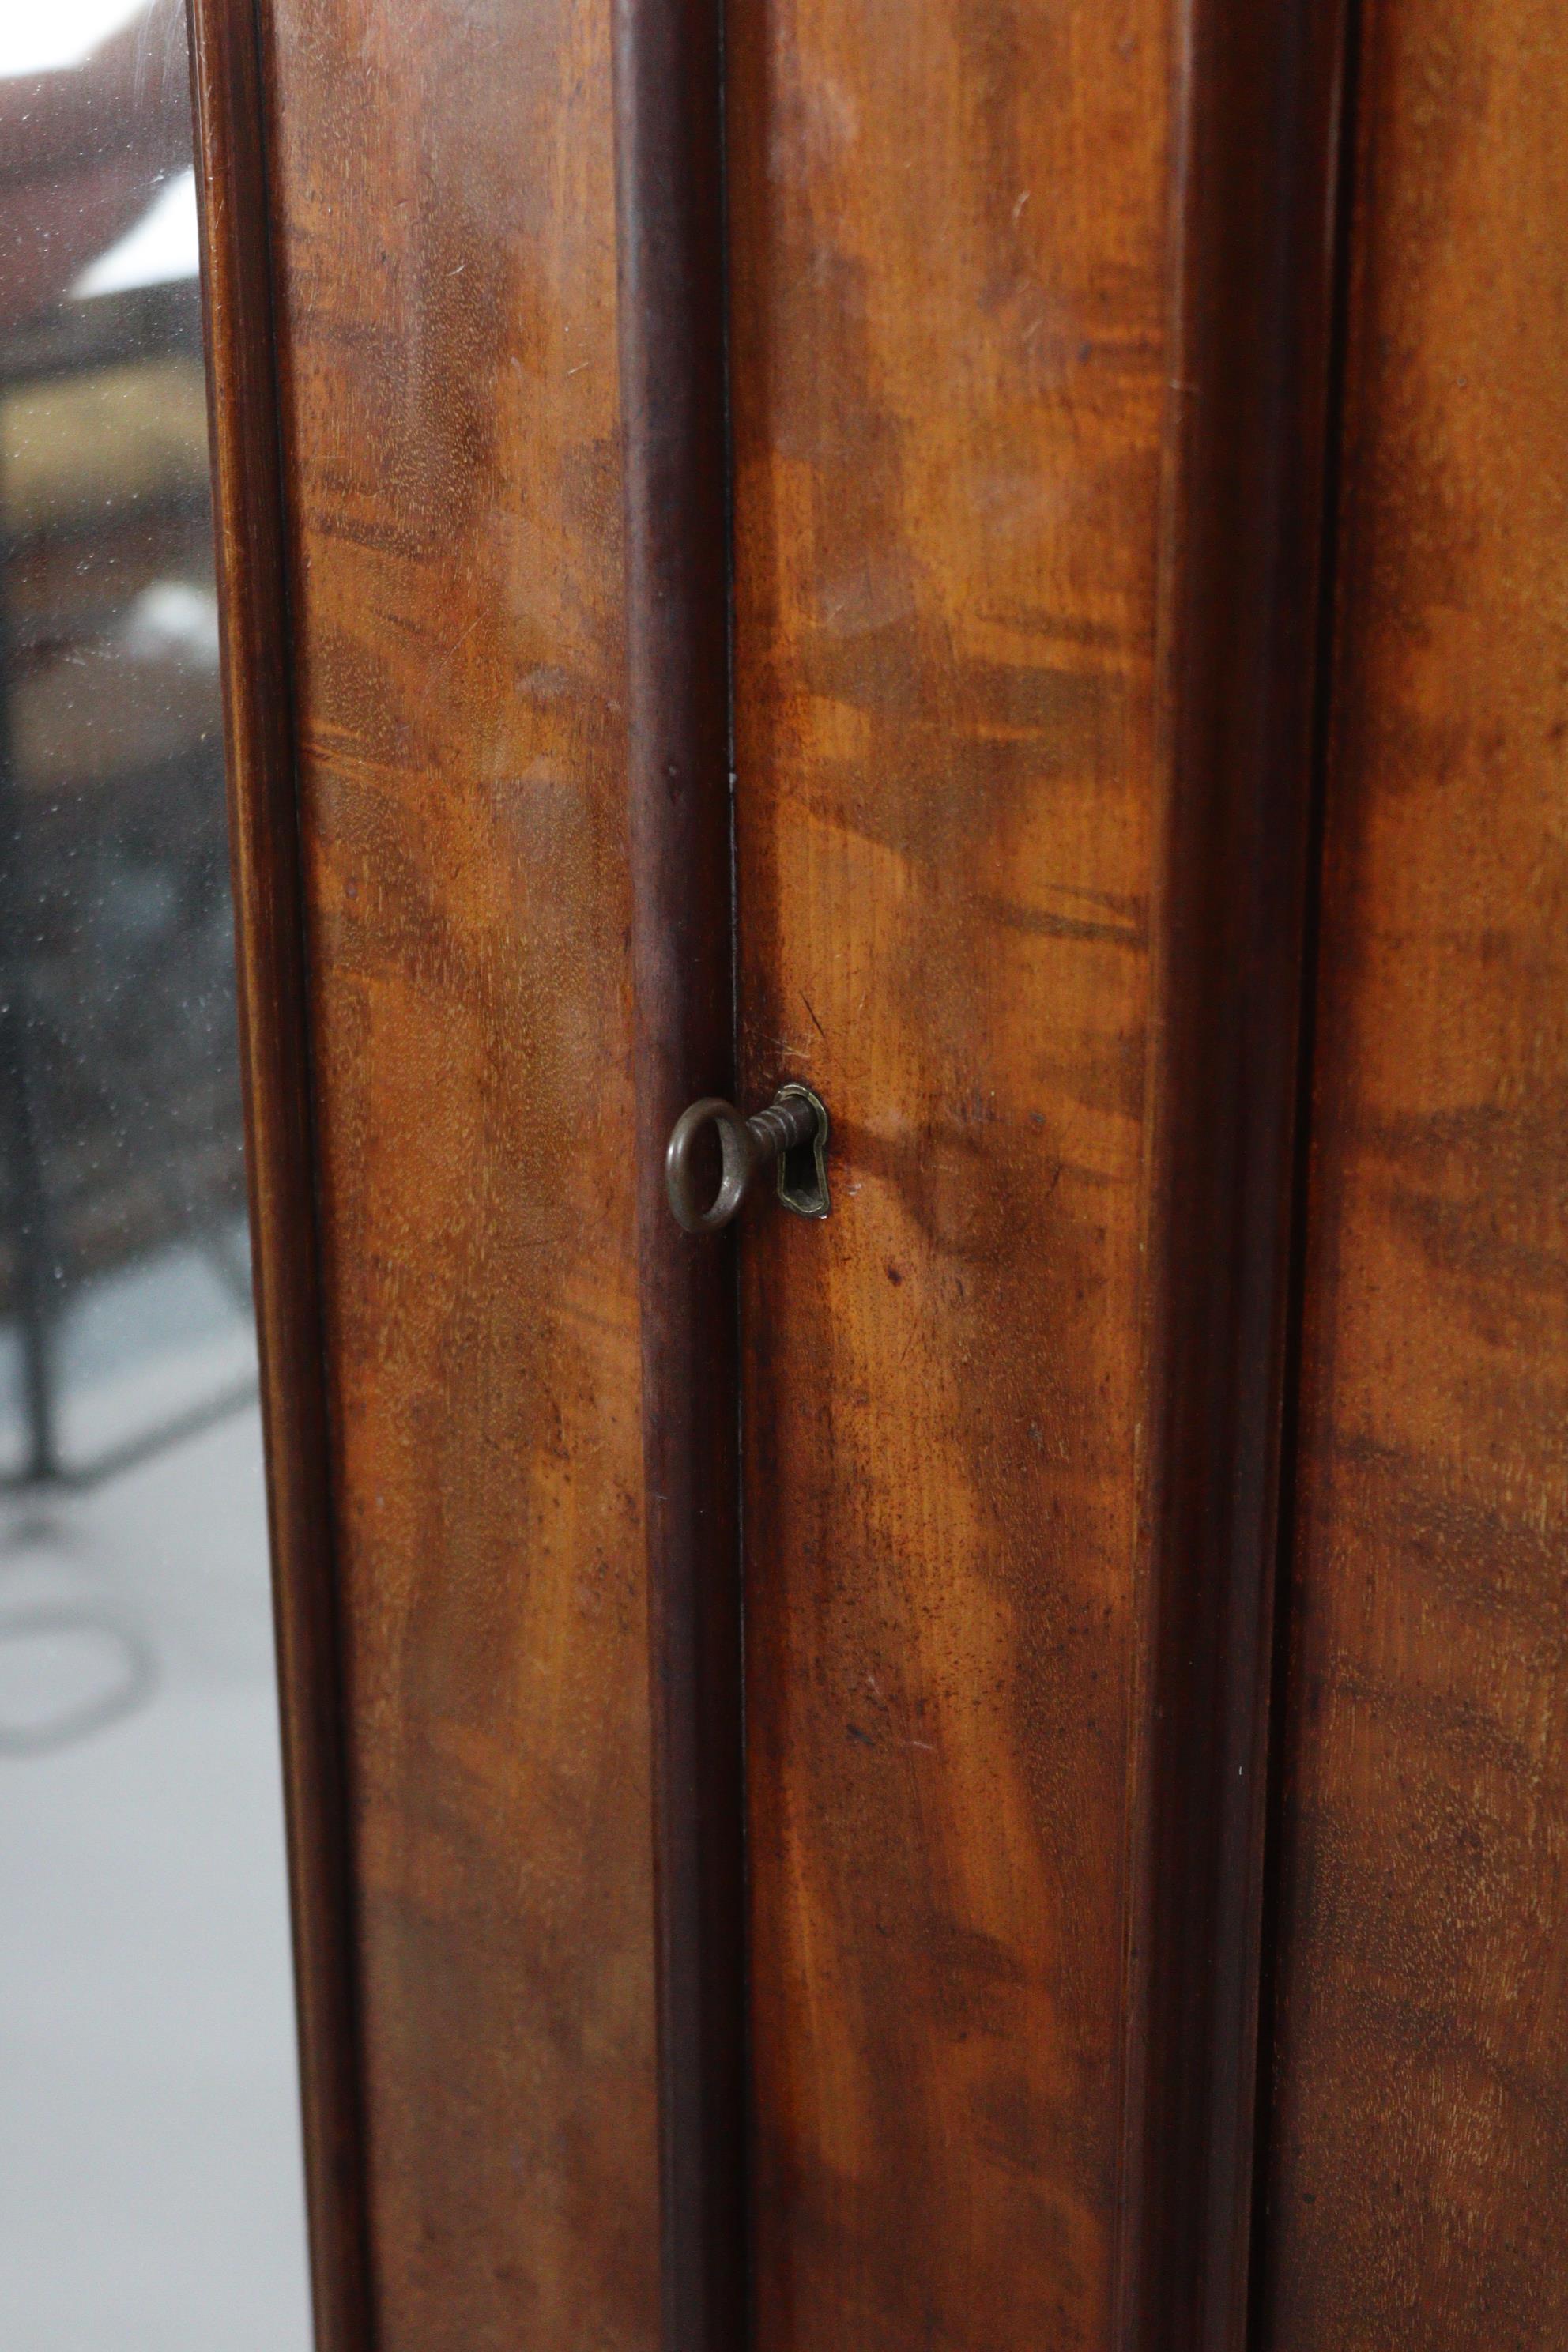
x: 1421, y: 2137
x: 948, y: 367
x: 445, y: 238
x: 1028, y: 334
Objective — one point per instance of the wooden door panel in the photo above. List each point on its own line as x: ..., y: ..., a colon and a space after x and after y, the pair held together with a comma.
x: 1023, y: 549
x: 948, y: 484
x: 1026, y: 456
x: 1416, y: 2187
x: 444, y: 255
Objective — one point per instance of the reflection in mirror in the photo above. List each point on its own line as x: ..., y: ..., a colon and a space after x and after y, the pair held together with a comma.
x: 149, y: 2174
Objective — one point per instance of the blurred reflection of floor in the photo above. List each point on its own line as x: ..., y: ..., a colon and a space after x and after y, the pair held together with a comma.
x: 150, y: 2196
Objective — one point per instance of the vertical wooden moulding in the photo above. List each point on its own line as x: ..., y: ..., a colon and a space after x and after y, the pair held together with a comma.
x: 671, y: 328
x: 1258, y: 112
x: 264, y: 838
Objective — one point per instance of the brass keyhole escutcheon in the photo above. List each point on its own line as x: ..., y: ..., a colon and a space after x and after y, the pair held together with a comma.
x: 792, y: 1131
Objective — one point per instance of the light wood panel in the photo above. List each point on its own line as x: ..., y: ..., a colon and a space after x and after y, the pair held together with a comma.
x: 1417, y: 2190
x: 445, y: 250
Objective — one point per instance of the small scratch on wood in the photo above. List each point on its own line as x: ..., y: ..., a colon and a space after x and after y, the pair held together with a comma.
x: 812, y: 1010
x: 463, y: 634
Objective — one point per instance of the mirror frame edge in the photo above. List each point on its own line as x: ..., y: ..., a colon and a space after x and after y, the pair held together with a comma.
x: 229, y: 102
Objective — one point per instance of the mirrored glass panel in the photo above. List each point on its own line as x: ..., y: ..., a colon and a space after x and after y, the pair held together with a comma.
x: 150, y: 2195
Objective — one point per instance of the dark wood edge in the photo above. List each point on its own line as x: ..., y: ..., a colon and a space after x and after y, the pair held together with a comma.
x: 264, y: 824
x: 1257, y: 104
x: 1284, y: 1747
x: 669, y: 182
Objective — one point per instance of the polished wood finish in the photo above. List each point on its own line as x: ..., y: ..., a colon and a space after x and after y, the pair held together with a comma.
x: 1029, y: 341
x: 1029, y: 680
x: 1421, y: 2139
x: 445, y: 238
x: 949, y: 382
x: 671, y: 284
x: 264, y: 832
x: 1259, y: 98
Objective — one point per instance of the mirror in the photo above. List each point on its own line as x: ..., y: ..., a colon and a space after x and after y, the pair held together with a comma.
x: 151, y: 2196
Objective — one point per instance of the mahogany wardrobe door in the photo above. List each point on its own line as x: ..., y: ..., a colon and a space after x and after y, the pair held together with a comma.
x: 783, y: 543
x: 1029, y: 354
